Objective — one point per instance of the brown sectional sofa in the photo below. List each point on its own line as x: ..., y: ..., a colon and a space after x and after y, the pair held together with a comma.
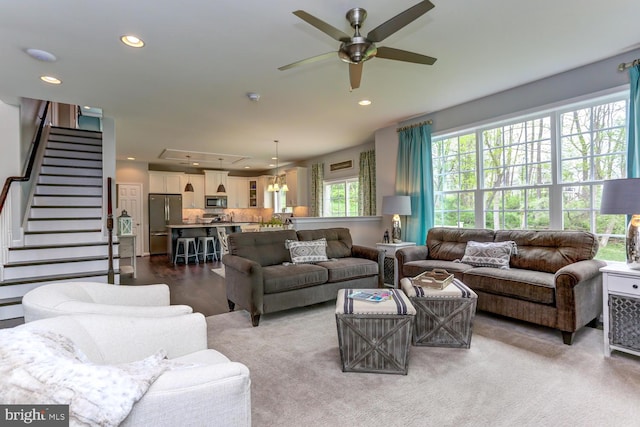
x: 553, y: 279
x: 261, y: 277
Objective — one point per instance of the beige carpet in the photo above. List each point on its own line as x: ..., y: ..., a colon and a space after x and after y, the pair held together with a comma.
x: 219, y: 271
x: 514, y: 374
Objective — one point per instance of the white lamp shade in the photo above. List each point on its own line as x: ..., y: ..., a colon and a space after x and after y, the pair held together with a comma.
x: 396, y: 205
x: 621, y: 196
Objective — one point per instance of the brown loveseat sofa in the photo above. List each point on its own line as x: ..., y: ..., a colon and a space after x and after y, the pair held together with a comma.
x: 261, y: 277
x: 553, y: 279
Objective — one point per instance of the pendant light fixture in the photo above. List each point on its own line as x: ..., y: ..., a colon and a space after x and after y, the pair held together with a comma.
x: 276, y: 186
x: 221, y: 188
x: 189, y: 187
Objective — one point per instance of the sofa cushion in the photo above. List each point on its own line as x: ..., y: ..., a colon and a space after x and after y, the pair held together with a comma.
x: 341, y: 269
x: 265, y: 248
x: 281, y: 278
x: 413, y: 268
x: 549, y: 250
x: 534, y: 286
x: 489, y: 254
x: 339, y: 241
x: 307, y: 252
x: 448, y: 244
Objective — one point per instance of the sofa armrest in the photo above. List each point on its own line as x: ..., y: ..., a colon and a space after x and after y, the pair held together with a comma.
x: 245, y: 283
x: 578, y: 294
x: 411, y: 253
x: 215, y: 394
x: 372, y: 254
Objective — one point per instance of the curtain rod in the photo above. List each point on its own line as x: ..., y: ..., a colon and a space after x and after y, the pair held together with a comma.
x: 426, y: 122
x: 624, y: 66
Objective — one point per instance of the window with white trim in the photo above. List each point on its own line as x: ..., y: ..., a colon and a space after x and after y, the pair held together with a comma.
x: 539, y: 171
x: 341, y: 197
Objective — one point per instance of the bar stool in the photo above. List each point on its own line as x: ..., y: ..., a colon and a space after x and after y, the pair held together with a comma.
x: 207, y: 247
x: 187, y: 243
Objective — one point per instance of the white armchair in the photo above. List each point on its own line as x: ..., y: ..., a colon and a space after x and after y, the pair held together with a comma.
x: 210, y: 390
x: 57, y: 299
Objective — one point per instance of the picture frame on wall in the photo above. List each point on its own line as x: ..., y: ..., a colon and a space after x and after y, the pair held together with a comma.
x: 347, y: 164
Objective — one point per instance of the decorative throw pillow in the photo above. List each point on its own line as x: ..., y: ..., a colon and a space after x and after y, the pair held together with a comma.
x: 489, y: 254
x: 307, y: 251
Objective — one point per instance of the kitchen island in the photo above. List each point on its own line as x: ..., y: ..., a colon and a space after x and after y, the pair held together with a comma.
x: 198, y: 230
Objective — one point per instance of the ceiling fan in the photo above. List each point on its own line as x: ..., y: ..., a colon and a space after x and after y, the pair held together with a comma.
x: 357, y: 49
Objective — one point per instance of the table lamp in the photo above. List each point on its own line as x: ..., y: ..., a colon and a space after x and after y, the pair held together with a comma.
x: 622, y: 196
x: 396, y: 206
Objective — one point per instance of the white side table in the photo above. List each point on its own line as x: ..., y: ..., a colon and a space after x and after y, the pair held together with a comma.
x: 621, y: 309
x: 390, y: 261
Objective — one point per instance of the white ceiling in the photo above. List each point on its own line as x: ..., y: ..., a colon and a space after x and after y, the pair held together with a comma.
x: 186, y: 90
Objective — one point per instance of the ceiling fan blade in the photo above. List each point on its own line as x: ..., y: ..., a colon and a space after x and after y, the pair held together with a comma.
x: 355, y: 75
x: 307, y: 61
x: 384, y: 30
x: 403, y: 55
x: 331, y: 31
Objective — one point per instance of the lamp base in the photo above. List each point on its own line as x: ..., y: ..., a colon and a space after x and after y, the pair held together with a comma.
x: 396, y: 231
x: 633, y: 243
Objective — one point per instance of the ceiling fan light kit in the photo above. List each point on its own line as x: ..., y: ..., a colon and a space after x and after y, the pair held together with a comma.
x: 355, y: 50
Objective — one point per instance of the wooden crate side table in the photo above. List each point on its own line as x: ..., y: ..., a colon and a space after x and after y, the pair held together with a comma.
x: 374, y: 337
x: 444, y: 317
x: 390, y: 261
x: 621, y: 309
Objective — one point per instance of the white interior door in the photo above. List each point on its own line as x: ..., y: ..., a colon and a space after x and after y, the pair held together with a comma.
x: 130, y: 200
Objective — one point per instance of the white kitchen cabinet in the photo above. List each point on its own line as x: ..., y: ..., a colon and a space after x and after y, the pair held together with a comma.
x: 258, y: 195
x: 195, y: 199
x: 297, y: 183
x: 165, y: 182
x: 237, y: 192
x: 212, y: 179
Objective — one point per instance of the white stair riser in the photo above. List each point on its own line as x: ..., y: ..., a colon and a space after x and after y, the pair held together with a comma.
x: 68, y: 190
x: 61, y: 179
x: 73, y: 154
x: 15, y: 291
x: 60, y: 225
x: 69, y: 146
x: 56, y: 161
x: 61, y: 170
x: 80, y: 138
x: 11, y: 273
x: 62, y: 238
x: 65, y: 212
x: 25, y: 255
x: 66, y: 201
x: 11, y: 311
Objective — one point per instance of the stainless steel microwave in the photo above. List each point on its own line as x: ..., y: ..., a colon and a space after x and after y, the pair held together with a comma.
x: 215, y: 202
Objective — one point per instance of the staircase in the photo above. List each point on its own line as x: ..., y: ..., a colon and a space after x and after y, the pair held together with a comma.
x: 63, y: 230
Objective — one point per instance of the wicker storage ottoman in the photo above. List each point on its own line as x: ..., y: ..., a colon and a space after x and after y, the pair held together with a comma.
x: 444, y: 317
x: 374, y: 336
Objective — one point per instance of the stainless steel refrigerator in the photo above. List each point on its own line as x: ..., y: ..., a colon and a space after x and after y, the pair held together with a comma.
x: 164, y: 209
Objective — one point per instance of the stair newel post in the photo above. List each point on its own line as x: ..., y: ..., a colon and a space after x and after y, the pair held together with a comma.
x: 110, y: 272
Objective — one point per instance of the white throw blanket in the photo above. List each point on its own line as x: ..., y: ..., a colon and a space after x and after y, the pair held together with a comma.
x: 47, y: 368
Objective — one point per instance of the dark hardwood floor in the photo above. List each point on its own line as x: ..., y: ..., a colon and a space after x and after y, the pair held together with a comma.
x: 192, y: 284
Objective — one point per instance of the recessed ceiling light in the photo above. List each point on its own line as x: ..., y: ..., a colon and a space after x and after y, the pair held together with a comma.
x: 132, y: 41
x: 195, y: 164
x: 41, y: 55
x: 364, y: 102
x: 247, y: 167
x: 51, y: 80
x: 271, y: 165
x: 86, y: 107
x: 131, y: 158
